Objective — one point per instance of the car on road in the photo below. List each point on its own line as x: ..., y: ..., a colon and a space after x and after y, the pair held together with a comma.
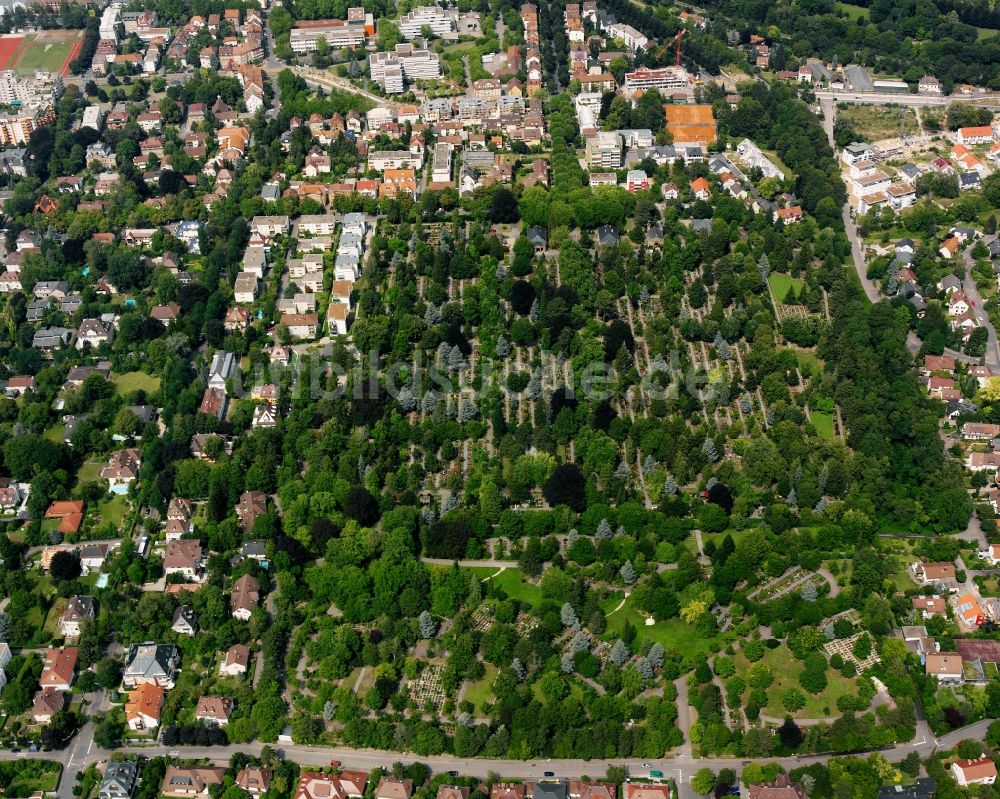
x: 452, y: 773
x: 647, y: 765
x: 656, y: 775
x: 549, y: 774
x: 335, y: 763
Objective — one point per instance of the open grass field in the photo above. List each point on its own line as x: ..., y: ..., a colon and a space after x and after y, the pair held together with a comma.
x: 786, y: 670
x: 780, y: 284
x: 853, y: 12
x: 673, y: 633
x: 135, y: 381
x: 986, y: 33
x: 824, y: 424
x: 50, y: 51
x: 874, y: 122
x: 513, y: 583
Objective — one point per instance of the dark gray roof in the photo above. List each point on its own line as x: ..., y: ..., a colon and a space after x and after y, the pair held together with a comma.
x: 923, y: 788
x: 550, y: 790
x: 538, y: 236
x: 119, y: 779
x: 607, y: 235
x: 701, y: 225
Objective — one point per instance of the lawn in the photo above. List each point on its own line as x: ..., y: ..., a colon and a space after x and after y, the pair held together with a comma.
x: 809, y: 362
x: 781, y: 283
x: 480, y: 692
x: 135, y: 381
x: 55, y: 433
x: 986, y: 33
x: 874, y: 122
x: 853, y: 12
x: 113, y: 509
x: 513, y: 583
x: 673, y: 633
x: 824, y: 424
x: 46, y: 55
x: 786, y: 669
x: 88, y: 471
x: 22, y: 778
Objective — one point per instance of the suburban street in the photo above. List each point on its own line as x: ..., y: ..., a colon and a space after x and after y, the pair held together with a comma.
x: 682, y: 767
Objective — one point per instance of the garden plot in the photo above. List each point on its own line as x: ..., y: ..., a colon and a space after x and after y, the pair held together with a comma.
x: 845, y: 648
x: 427, y: 688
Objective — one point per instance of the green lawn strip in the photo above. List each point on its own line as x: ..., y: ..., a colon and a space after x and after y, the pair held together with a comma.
x: 780, y: 284
x: 824, y: 423
x: 134, y: 381
x: 480, y: 692
x: 853, y: 12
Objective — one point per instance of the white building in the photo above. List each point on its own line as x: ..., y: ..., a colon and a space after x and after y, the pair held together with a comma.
x: 634, y: 40
x: 337, y: 33
x: 605, y: 150
x: 667, y: 80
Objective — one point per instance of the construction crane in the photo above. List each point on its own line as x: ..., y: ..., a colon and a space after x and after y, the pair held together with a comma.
x: 677, y: 58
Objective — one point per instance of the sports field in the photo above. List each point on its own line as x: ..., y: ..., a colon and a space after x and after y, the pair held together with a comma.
x: 10, y: 45
x: 51, y: 51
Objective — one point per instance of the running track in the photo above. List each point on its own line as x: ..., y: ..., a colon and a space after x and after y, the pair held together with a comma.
x: 10, y: 50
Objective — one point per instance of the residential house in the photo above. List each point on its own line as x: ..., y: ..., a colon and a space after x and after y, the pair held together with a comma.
x: 165, y: 314
x: 393, y: 788
x: 79, y: 609
x: 265, y: 415
x: 143, y: 706
x: 969, y: 611
x: 255, y: 780
x: 934, y: 573
x: 929, y: 606
x: 981, y: 771
x: 150, y: 663
x: 122, y: 469
x: 186, y: 558
x: 213, y: 403
x: 236, y: 662
x: 251, y: 505
x: 781, y: 788
x: 190, y: 782
x: 315, y: 785
x: 946, y: 666
x: 94, y: 332
x: 59, y: 668
x: 46, y: 704
x: 185, y: 621
x: 245, y: 597
x: 221, y: 369
x: 214, y: 710
x: 119, y: 780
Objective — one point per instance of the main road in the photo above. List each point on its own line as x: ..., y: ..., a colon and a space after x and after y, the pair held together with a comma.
x: 681, y: 767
